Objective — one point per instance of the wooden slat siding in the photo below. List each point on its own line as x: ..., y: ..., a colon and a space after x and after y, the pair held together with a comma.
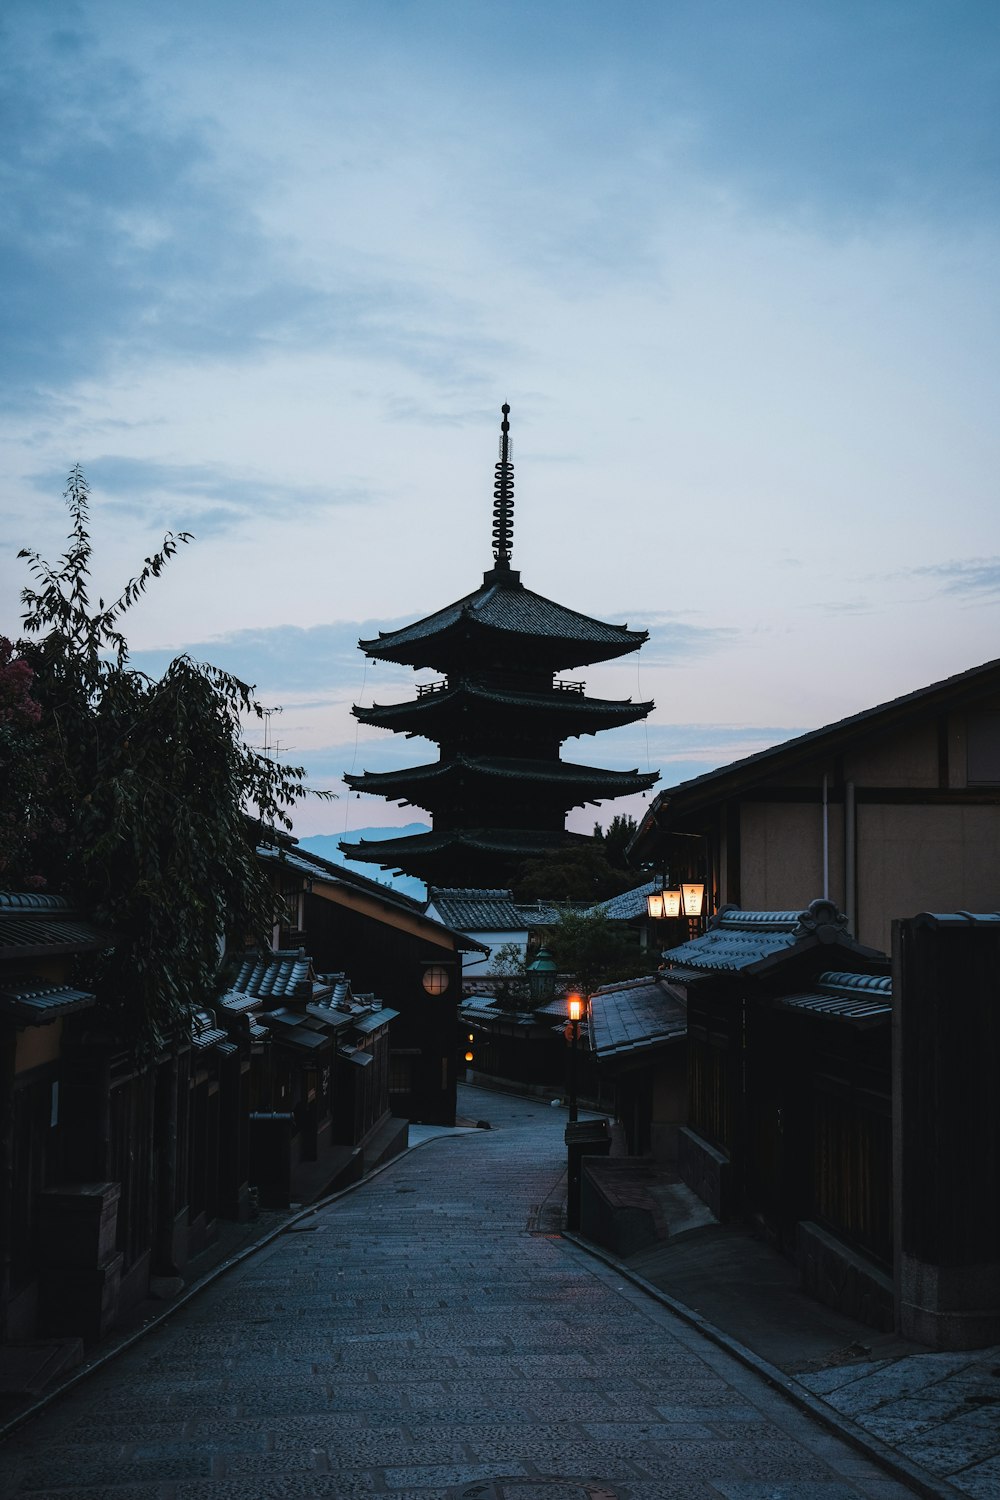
x: 942, y: 751
x: 130, y: 1162
x: 732, y: 893
x: 852, y: 1166
x: 710, y: 1096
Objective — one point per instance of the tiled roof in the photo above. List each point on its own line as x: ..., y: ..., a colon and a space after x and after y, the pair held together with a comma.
x: 266, y: 975
x: 544, y: 913
x: 737, y: 939
x: 292, y: 1029
x: 573, y: 708
x: 474, y: 910
x: 483, y: 1009
x: 31, y: 1004
x: 964, y: 919
x: 630, y: 904
x: 31, y: 901
x: 583, y: 779
x: 372, y: 1019
x: 516, y: 842
x: 204, y: 1032
x: 35, y: 932
x: 859, y: 998
x: 315, y: 867
x: 724, y: 948
x: 510, y: 610
x: 634, y: 1017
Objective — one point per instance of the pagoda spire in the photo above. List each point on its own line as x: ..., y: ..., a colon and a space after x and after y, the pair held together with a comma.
x: 503, y: 499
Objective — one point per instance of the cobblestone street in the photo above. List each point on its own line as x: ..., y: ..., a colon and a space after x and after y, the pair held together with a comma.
x: 429, y: 1336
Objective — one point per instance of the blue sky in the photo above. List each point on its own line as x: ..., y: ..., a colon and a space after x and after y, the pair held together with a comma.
x: 270, y: 271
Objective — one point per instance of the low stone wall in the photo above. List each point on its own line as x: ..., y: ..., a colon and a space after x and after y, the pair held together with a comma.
x: 706, y: 1170
x: 617, y: 1208
x: 840, y: 1277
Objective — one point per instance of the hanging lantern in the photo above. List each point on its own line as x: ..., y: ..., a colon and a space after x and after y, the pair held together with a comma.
x: 661, y: 904
x: 693, y: 892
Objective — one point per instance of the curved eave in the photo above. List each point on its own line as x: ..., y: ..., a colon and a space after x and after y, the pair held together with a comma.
x: 559, y: 774
x: 426, y: 849
x: 571, y: 712
x: 513, y: 617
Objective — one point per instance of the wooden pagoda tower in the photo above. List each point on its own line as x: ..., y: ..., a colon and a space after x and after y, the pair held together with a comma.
x: 499, y: 792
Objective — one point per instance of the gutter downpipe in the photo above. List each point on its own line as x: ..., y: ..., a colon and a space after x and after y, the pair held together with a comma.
x: 850, y: 859
x: 826, y: 836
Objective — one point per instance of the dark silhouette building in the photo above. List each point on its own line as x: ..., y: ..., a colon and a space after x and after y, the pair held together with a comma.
x: 499, y: 792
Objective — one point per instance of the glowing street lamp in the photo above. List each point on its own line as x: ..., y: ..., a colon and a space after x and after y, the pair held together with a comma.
x: 575, y: 1007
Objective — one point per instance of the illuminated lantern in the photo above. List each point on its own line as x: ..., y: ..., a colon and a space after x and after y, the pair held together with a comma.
x: 694, y: 895
x: 436, y: 980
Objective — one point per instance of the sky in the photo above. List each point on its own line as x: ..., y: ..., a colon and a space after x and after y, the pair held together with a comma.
x: 270, y: 271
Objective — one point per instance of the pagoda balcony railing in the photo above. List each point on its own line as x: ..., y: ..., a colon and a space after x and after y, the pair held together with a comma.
x: 425, y: 688
x: 567, y: 685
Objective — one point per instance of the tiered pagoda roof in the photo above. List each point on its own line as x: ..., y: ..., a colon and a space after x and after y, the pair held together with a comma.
x: 504, y: 614
x: 562, y: 709
x: 436, y: 785
x: 499, y: 792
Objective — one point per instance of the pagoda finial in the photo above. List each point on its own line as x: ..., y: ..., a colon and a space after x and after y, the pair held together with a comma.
x: 503, y: 498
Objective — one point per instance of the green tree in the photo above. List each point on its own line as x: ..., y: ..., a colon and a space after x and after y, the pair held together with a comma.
x: 23, y: 772
x: 141, y: 814
x: 579, y: 872
x: 508, y: 964
x: 615, y: 840
x: 591, y: 950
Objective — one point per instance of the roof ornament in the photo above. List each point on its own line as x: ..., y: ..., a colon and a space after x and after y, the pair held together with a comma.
x: 503, y: 497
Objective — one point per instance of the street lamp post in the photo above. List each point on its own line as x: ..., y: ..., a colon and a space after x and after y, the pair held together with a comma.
x: 575, y: 1012
x: 542, y: 978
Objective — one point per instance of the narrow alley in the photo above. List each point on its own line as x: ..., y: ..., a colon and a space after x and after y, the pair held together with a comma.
x: 429, y: 1335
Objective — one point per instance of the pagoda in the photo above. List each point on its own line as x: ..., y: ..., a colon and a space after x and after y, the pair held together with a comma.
x: 499, y: 791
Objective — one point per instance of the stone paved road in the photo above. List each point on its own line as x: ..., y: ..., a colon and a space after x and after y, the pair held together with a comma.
x: 425, y: 1337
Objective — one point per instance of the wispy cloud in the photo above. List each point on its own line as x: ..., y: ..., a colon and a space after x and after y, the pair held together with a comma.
x: 294, y: 659
x: 673, y: 642
x: 128, y: 237
x: 978, y: 577
x: 207, y: 498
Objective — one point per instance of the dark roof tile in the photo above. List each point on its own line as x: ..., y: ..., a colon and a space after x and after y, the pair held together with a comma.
x: 510, y: 610
x: 635, y: 1017
x: 32, y: 1004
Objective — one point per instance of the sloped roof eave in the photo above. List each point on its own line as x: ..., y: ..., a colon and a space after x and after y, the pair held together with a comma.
x: 687, y: 798
x: 540, y: 619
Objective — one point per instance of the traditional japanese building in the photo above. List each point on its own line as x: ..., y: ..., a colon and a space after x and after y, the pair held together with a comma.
x: 499, y: 792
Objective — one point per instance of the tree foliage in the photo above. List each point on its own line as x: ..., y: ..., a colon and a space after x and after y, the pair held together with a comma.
x: 579, y: 872
x: 615, y: 840
x: 591, y: 950
x: 138, y: 806
x: 22, y: 769
x: 509, y: 966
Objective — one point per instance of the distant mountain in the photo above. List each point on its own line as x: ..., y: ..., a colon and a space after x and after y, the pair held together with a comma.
x: 326, y: 845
